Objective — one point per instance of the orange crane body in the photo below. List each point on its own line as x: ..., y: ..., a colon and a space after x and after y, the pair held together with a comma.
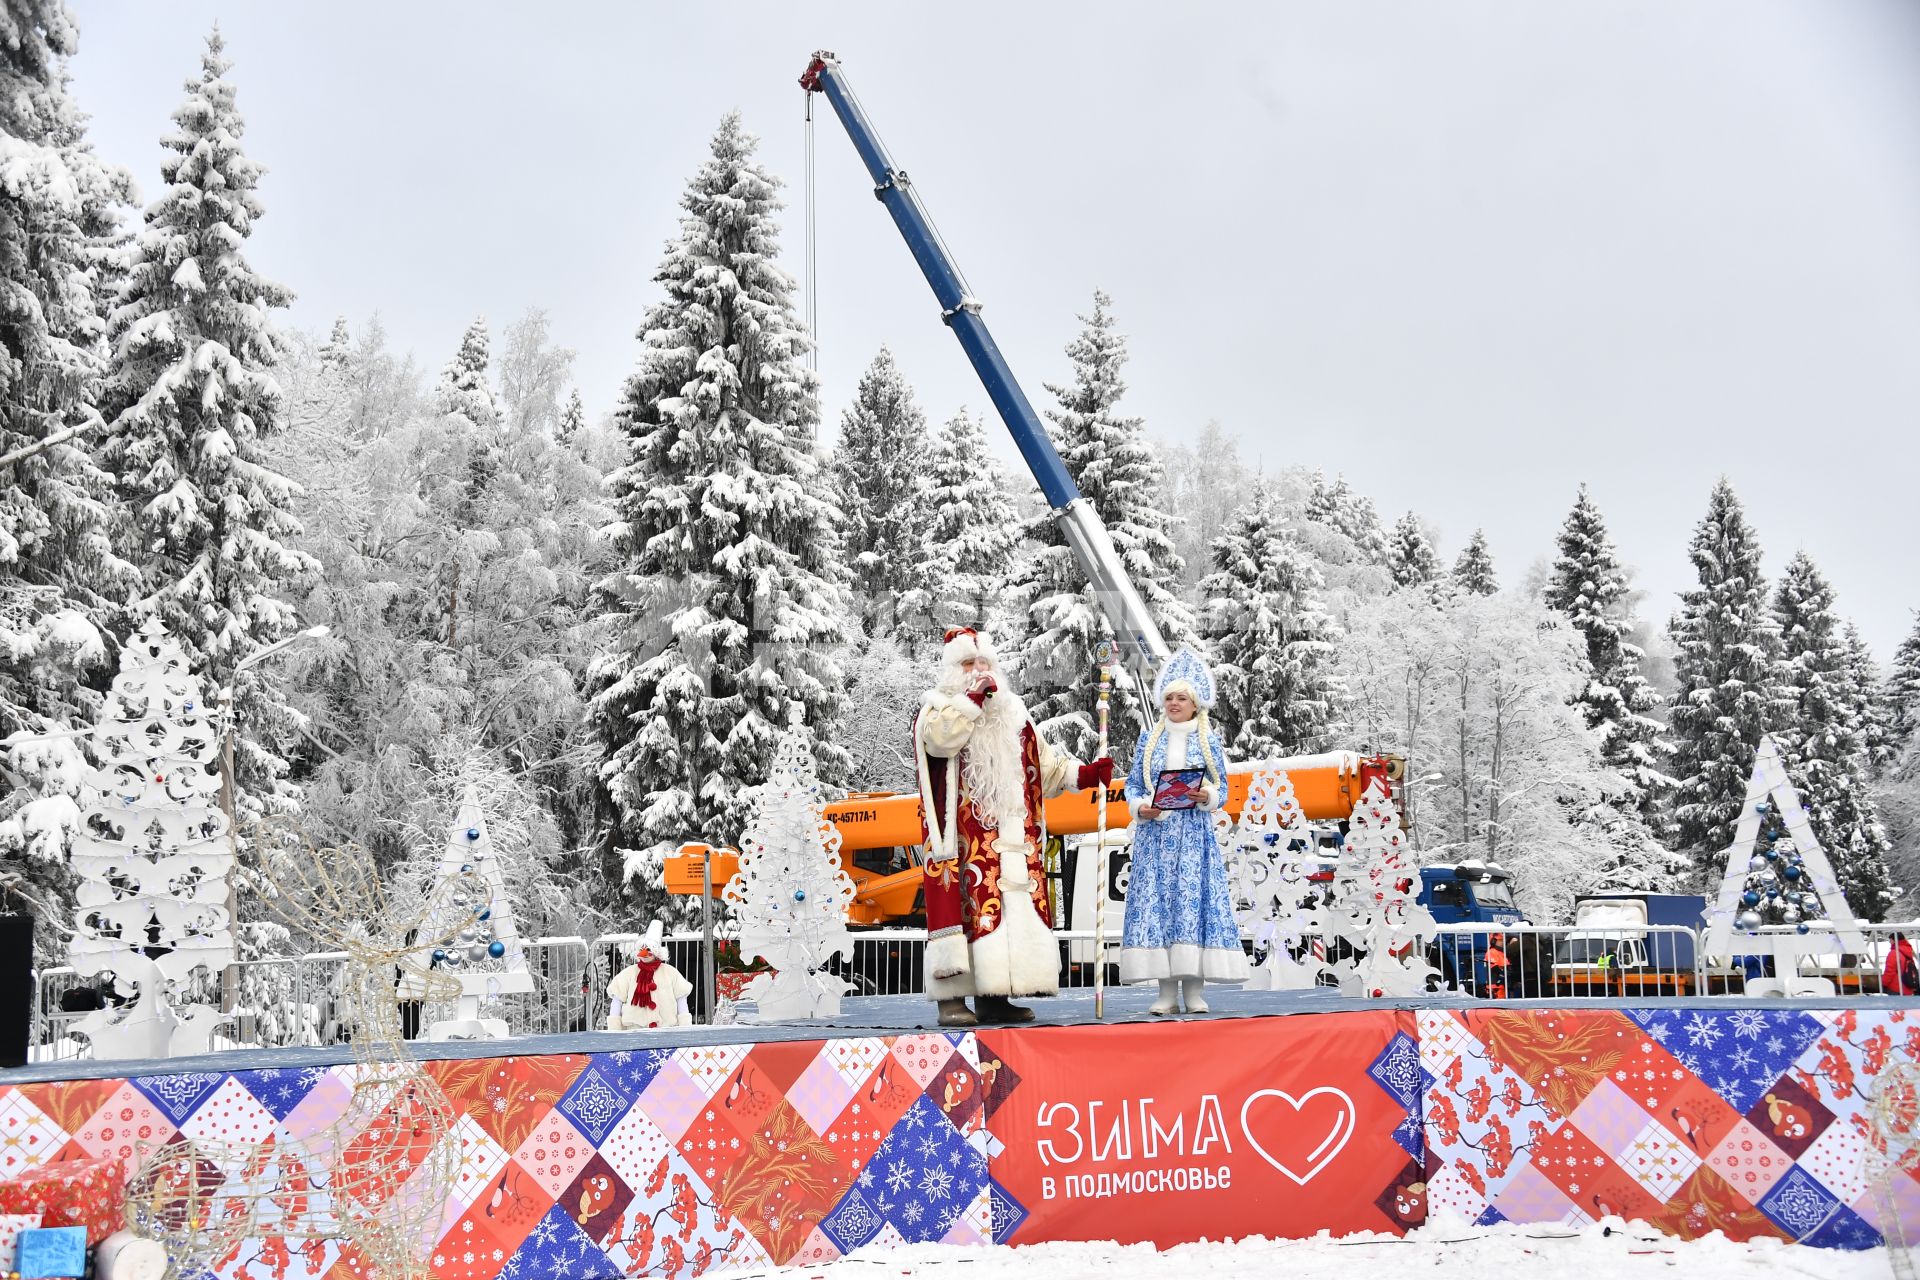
x: 1327, y: 786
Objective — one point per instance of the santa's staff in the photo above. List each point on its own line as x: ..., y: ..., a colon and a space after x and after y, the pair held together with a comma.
x: 1102, y: 654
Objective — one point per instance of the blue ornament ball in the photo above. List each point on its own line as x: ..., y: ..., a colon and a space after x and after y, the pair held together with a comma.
x: 1750, y: 898
x: 486, y: 913
x: 439, y: 954
x: 473, y: 833
x: 465, y: 868
x: 799, y: 895
x: 496, y: 949
x: 1801, y: 927
x: 1792, y: 872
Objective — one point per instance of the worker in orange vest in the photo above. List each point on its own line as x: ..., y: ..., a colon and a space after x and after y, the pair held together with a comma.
x: 1496, y: 968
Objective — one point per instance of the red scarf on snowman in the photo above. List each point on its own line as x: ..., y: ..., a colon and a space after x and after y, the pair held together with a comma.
x: 643, y: 982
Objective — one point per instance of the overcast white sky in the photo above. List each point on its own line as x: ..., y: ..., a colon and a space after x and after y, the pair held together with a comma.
x: 1471, y: 253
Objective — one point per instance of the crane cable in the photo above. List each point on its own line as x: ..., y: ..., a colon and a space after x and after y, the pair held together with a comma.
x: 812, y: 308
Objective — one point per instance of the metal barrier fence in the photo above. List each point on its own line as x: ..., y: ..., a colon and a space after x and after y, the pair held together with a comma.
x: 296, y: 1000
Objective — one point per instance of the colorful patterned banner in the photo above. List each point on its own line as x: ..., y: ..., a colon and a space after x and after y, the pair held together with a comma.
x: 695, y: 1161
x: 1748, y: 1121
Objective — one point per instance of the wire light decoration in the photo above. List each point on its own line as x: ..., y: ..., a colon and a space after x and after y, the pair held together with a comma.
x: 377, y: 1179
x: 1893, y: 1152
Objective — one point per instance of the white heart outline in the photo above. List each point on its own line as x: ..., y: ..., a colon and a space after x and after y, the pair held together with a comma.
x: 1342, y: 1129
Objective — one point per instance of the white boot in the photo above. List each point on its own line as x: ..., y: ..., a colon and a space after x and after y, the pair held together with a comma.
x: 1169, y: 1001
x: 1191, y: 990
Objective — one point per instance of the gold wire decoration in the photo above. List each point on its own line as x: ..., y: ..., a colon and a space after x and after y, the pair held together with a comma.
x: 377, y: 1179
x: 1893, y: 1152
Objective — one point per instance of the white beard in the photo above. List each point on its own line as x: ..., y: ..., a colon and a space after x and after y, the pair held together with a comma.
x: 992, y: 770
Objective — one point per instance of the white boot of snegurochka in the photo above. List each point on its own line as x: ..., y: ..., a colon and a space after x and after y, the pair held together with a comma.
x: 1169, y: 1001
x: 1192, y: 993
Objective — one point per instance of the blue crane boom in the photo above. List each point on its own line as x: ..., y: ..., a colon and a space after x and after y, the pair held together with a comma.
x: 1133, y: 627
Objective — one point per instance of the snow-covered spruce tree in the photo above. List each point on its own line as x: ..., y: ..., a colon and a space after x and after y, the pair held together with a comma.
x: 573, y: 420
x: 1863, y: 695
x: 1108, y: 456
x: 466, y: 399
x: 191, y: 397
x: 60, y: 210
x: 877, y: 469
x: 1473, y: 571
x: 1341, y: 507
x: 966, y: 546
x: 1900, y: 700
x: 722, y: 611
x: 1273, y: 641
x: 1589, y: 585
x: 1411, y: 559
x: 1897, y: 782
x: 337, y: 351
x: 1820, y: 736
x: 1724, y: 642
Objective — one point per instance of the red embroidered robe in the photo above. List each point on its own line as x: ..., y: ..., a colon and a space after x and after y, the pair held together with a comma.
x: 989, y: 929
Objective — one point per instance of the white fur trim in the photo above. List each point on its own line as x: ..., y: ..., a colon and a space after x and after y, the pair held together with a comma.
x: 968, y: 645
x: 947, y: 955
x: 959, y: 987
x: 943, y: 829
x: 1183, y: 960
x: 1020, y: 957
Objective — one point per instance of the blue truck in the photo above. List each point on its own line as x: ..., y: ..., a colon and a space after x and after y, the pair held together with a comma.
x: 1472, y: 892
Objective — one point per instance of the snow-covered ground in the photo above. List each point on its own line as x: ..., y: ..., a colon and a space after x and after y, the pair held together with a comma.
x: 1504, y: 1252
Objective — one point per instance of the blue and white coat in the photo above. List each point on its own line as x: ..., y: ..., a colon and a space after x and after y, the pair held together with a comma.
x: 1179, y: 909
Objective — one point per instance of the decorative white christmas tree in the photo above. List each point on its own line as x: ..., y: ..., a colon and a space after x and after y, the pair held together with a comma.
x: 153, y: 856
x: 790, y: 896
x: 1779, y: 896
x: 1267, y: 869
x: 484, y: 953
x: 1375, y: 907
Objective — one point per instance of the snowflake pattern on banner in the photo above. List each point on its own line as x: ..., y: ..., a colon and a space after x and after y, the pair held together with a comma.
x: 596, y: 1102
x: 920, y: 1182
x: 1739, y: 1053
x: 278, y: 1089
x: 179, y: 1096
x: 557, y: 1249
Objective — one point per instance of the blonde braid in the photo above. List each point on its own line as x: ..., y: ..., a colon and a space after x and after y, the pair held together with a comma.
x: 1204, y: 728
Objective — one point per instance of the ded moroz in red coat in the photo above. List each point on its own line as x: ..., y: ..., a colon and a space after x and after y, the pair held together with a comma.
x: 988, y: 929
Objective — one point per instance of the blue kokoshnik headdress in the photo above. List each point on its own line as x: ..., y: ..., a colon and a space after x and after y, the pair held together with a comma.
x: 1185, y: 669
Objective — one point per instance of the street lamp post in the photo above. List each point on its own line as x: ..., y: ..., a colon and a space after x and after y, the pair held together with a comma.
x: 230, y: 976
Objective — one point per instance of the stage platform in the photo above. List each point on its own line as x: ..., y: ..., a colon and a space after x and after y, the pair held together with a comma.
x: 884, y: 1016
x: 1281, y: 1114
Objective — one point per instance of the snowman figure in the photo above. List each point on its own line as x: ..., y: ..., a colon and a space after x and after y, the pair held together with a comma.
x: 649, y: 992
